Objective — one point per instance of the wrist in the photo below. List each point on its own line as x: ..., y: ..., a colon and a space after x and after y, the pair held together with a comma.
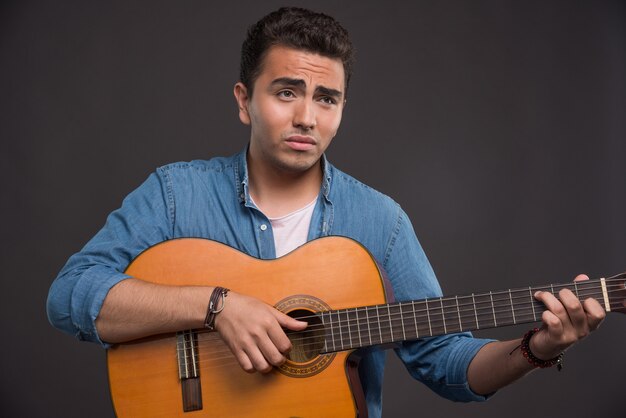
x: 536, y: 357
x: 216, y: 305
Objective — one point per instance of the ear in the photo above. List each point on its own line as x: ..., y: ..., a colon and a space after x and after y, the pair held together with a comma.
x: 241, y: 95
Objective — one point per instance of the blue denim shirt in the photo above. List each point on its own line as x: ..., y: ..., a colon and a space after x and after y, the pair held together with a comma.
x: 210, y: 199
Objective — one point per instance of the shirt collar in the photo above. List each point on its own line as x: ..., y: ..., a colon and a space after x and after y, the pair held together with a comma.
x: 242, y: 179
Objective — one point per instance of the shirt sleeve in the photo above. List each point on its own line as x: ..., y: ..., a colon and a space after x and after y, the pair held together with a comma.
x: 439, y: 362
x: 76, y: 296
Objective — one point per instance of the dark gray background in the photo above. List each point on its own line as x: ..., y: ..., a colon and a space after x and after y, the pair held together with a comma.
x: 498, y: 125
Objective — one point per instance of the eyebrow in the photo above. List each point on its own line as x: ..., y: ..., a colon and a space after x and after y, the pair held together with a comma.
x: 298, y: 82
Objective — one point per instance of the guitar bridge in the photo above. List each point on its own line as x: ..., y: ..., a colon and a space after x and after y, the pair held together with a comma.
x: 189, y: 370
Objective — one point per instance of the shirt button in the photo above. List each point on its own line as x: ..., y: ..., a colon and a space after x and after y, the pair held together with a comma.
x: 263, y: 227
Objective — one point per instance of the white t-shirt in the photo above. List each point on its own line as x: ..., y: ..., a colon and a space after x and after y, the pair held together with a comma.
x: 291, y: 230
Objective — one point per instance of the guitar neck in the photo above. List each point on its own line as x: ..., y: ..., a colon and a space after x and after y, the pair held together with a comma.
x: 354, y: 328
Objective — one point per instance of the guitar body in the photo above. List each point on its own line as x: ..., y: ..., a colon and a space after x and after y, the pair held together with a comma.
x: 328, y: 273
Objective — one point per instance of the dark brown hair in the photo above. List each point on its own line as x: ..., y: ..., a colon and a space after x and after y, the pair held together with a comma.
x: 296, y: 28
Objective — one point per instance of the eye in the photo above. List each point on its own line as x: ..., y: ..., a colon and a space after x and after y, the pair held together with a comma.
x: 328, y: 100
x: 286, y: 94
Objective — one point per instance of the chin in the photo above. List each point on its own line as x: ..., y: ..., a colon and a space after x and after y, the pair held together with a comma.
x: 299, y: 165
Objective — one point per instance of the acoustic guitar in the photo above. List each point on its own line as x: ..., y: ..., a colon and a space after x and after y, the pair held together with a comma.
x: 338, y: 288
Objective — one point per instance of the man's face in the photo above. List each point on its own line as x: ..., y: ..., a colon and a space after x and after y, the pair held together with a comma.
x: 295, y: 109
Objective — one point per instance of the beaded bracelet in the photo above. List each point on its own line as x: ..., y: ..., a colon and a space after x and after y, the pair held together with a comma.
x: 212, y: 310
x: 532, y: 359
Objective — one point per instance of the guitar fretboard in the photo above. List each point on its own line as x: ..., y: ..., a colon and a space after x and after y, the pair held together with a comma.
x: 381, y: 324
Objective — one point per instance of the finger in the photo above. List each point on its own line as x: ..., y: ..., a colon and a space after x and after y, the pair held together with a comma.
x: 581, y: 278
x: 553, y: 305
x: 553, y: 323
x: 595, y: 313
x: 575, y: 311
x: 257, y: 358
x: 280, y: 339
x: 244, y: 361
x: 272, y: 352
x: 288, y: 322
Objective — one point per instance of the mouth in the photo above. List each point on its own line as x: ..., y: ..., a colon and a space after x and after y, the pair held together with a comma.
x: 301, y: 142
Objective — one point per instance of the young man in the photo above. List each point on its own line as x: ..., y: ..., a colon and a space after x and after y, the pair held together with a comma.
x: 271, y: 198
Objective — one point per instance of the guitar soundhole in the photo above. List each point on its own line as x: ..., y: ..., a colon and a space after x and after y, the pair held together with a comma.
x: 307, y: 344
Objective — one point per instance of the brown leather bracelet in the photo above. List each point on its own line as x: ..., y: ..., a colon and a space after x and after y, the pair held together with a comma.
x: 212, y: 309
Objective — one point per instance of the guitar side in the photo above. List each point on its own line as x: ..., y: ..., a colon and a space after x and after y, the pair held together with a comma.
x: 334, y: 272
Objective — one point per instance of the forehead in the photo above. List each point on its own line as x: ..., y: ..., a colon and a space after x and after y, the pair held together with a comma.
x: 313, y: 69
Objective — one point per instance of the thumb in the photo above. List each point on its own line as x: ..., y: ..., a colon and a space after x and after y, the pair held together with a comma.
x: 288, y: 322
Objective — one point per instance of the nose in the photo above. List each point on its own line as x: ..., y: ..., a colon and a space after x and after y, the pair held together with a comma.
x: 304, y: 115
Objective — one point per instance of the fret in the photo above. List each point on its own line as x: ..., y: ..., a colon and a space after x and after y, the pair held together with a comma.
x: 430, y: 326
x: 532, y: 305
x: 380, y: 332
x: 539, y: 306
x: 502, y: 305
x: 390, y: 318
x: 475, y: 311
x: 402, y: 322
x: 409, y: 331
x: 467, y: 312
x: 369, y: 330
x: 450, y: 315
x: 576, y: 290
x: 325, y: 332
x: 512, y: 309
x: 484, y: 310
x: 443, y: 317
x: 340, y: 326
x: 358, y: 326
x: 493, y: 309
x: 458, y: 312
x: 348, y: 324
x: 399, y: 331
x: 364, y: 327
x: 386, y: 327
x: 332, y: 329
x: 434, y: 308
x: 421, y: 319
x: 417, y: 332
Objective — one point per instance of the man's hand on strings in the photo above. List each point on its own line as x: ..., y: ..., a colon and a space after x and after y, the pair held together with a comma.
x: 566, y: 321
x: 253, y: 330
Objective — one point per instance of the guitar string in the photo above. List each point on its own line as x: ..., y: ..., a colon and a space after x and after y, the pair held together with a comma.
x: 434, y: 305
x: 519, y: 294
x: 492, y: 308
x: 220, y: 355
x: 523, y: 315
x: 515, y: 294
x: 223, y: 354
x: 386, y: 331
x: 437, y: 325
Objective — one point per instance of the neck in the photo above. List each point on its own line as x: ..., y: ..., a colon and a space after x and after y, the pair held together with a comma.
x: 278, y: 192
